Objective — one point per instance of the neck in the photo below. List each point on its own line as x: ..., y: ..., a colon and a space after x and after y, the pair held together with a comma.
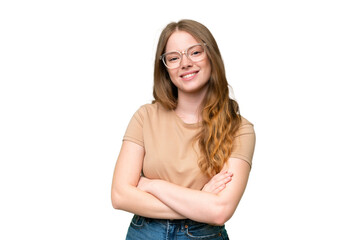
x: 189, y: 106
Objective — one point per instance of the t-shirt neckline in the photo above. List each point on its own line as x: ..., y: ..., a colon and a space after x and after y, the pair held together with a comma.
x: 188, y: 125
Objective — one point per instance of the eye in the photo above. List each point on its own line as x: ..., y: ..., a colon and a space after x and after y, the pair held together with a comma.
x: 172, y: 57
x: 196, y: 51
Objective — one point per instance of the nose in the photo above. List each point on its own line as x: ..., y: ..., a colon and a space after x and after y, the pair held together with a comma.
x: 185, y: 61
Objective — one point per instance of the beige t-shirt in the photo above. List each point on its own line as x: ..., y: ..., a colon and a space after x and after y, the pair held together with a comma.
x: 169, y: 150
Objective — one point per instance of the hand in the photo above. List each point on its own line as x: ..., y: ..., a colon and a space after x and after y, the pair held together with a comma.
x: 218, y: 182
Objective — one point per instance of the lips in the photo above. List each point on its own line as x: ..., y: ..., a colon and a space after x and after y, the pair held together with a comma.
x: 188, y: 75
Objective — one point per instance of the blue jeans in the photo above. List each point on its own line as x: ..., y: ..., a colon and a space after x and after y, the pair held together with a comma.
x: 142, y: 228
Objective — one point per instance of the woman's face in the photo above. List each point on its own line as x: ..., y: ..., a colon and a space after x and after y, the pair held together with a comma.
x: 189, y: 77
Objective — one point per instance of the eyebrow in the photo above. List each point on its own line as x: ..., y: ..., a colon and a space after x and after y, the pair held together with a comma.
x: 181, y: 50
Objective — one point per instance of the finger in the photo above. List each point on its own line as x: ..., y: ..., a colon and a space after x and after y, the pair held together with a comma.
x: 224, y: 177
x: 221, y: 175
x: 216, y: 181
x: 223, y: 182
x: 219, y: 189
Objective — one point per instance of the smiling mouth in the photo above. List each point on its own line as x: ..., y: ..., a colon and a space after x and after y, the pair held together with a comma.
x: 189, y: 75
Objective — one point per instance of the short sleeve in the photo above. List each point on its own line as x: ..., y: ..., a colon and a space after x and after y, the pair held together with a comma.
x: 244, y: 142
x: 134, y: 131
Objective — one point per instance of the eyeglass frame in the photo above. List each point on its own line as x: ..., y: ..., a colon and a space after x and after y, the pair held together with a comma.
x: 184, y: 52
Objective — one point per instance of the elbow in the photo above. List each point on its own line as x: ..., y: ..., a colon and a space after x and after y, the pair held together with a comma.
x: 120, y: 199
x: 221, y: 215
x: 116, y: 200
x: 220, y: 219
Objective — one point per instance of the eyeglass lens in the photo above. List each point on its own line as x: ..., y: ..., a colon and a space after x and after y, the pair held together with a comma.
x: 194, y: 53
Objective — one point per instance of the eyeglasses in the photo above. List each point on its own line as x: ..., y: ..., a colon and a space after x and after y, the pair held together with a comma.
x: 173, y: 59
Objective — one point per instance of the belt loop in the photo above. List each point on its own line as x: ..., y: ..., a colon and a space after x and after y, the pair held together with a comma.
x: 184, y: 225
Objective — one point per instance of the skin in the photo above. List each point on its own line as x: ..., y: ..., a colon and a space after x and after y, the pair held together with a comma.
x: 191, y: 91
x: 155, y: 198
x: 196, y: 85
x: 125, y: 194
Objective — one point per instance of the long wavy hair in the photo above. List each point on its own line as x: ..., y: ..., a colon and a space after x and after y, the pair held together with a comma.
x: 220, y: 114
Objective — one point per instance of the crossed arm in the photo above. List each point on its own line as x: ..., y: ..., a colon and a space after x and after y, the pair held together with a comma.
x: 215, y: 204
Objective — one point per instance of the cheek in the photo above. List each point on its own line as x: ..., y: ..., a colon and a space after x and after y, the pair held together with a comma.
x: 207, y: 71
x: 206, y: 66
x: 172, y: 74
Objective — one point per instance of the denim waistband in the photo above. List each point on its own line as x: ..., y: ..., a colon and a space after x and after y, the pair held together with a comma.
x: 174, y: 222
x: 150, y: 228
x: 183, y: 223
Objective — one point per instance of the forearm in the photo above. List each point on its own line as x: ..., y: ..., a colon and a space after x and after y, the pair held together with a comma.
x: 132, y: 199
x: 193, y: 204
x: 124, y: 193
x: 200, y: 205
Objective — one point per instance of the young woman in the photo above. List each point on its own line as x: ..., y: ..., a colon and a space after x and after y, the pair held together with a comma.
x: 185, y: 158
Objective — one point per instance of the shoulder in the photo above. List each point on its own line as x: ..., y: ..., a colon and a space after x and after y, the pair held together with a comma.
x: 150, y: 110
x: 246, y: 127
x: 244, y: 141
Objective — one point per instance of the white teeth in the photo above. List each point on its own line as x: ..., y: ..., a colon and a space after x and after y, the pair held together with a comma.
x: 189, y: 75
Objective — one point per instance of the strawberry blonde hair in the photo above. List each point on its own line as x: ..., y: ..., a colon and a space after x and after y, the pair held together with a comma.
x: 220, y: 114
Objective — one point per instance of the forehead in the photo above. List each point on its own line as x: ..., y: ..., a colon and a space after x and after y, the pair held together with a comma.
x: 180, y: 40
